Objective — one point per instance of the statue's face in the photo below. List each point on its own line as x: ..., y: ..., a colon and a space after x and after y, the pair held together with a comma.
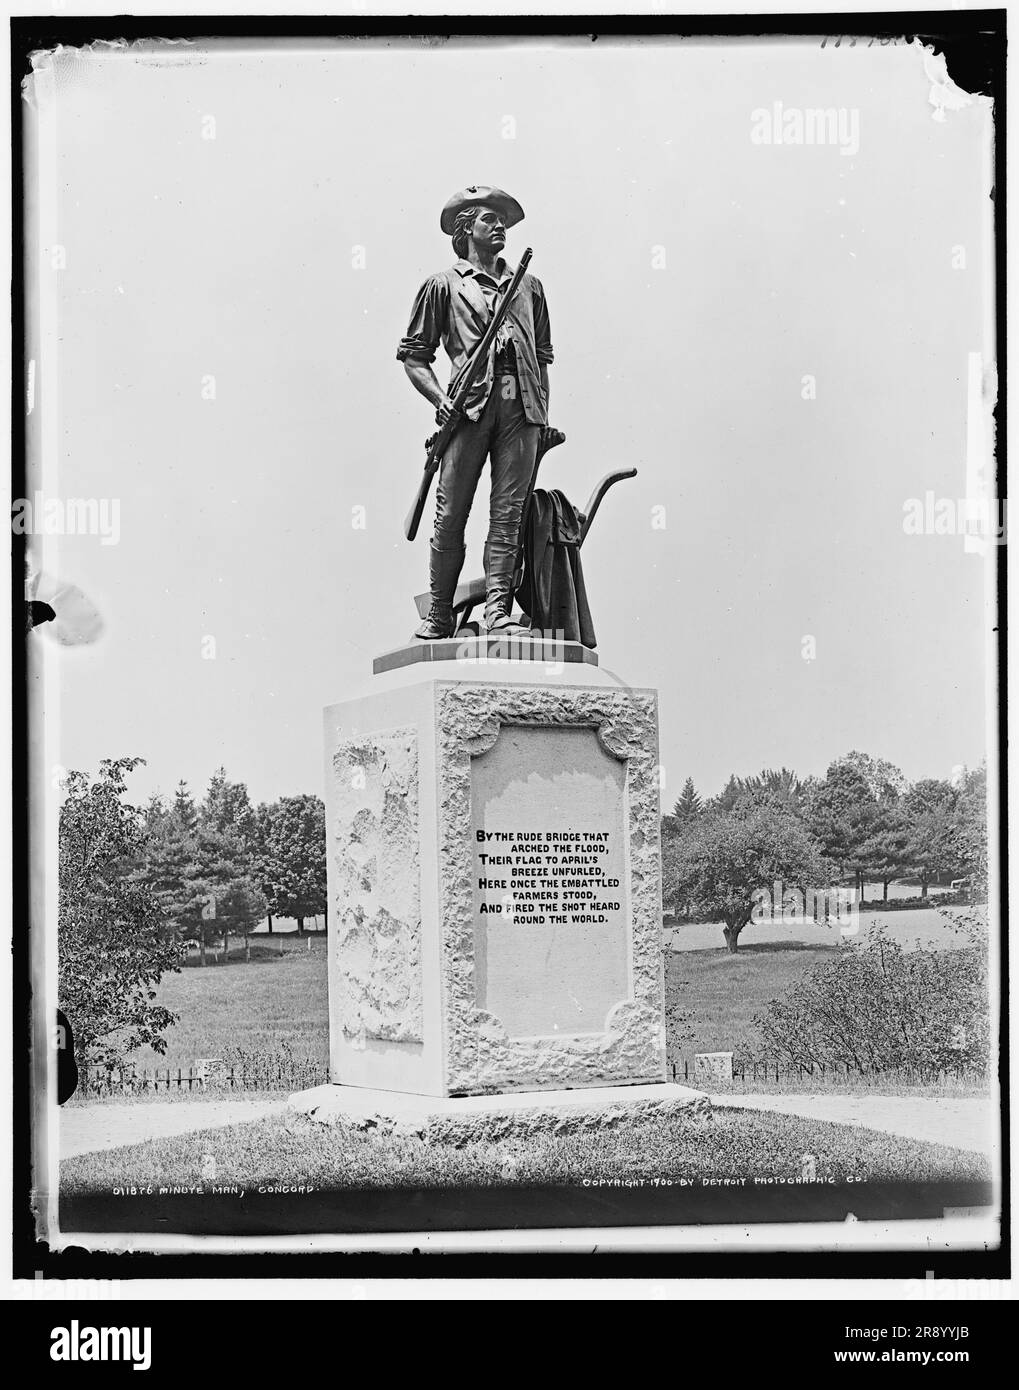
x: 489, y: 231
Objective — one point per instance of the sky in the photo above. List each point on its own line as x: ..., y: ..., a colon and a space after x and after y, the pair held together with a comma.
x: 775, y: 335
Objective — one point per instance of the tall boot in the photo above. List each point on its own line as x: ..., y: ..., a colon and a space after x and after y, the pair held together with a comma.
x: 500, y: 565
x: 444, y: 568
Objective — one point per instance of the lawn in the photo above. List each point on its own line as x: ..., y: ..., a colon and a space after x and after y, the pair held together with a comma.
x: 281, y: 999
x: 235, y: 1008
x: 279, y: 1002
x: 711, y: 995
x: 734, y: 1143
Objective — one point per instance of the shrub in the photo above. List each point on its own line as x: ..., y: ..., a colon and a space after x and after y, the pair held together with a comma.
x: 876, y: 1006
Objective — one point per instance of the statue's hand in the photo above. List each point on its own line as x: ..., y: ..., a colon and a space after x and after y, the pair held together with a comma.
x: 444, y: 411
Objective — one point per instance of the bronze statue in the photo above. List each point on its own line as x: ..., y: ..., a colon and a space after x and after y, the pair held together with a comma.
x: 504, y: 412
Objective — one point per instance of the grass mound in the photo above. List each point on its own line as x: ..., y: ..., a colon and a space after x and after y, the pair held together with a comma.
x: 728, y: 1143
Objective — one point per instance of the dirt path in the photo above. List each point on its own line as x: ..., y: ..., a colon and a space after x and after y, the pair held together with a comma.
x: 961, y: 1124
x: 86, y: 1129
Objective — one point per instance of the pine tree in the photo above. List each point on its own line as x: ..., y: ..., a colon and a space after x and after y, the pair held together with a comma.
x: 227, y: 860
x: 689, y: 805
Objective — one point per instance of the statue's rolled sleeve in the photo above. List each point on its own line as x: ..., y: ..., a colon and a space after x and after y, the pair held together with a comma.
x: 427, y: 320
x: 542, y: 330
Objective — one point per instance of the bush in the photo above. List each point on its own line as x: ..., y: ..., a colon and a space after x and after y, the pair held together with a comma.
x: 877, y: 1006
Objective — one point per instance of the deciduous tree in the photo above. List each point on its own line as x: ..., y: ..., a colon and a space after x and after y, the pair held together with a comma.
x: 112, y: 947
x: 292, y: 857
x: 724, y: 859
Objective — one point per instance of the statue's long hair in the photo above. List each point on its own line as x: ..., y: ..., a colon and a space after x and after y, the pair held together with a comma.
x: 462, y: 230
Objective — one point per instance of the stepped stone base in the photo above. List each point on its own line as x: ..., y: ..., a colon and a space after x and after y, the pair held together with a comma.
x: 465, y: 1119
x: 485, y: 649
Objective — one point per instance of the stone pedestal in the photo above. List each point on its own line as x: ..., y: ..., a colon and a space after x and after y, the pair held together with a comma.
x: 517, y: 1115
x: 494, y: 893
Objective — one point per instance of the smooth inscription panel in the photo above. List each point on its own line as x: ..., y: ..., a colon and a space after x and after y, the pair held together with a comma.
x: 551, y: 916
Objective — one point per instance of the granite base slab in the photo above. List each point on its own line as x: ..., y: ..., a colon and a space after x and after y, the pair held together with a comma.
x: 465, y: 1119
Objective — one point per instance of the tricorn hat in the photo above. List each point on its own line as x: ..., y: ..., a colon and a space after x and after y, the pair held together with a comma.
x: 482, y: 195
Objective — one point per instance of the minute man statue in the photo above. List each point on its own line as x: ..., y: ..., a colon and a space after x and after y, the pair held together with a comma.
x: 506, y: 409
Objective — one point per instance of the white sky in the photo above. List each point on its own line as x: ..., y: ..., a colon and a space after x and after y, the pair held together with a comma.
x: 233, y: 257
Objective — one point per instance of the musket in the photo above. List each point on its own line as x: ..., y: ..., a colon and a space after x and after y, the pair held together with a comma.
x: 437, y: 444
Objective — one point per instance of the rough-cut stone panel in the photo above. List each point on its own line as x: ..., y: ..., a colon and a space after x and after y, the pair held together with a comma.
x: 525, y: 1124
x: 480, y: 1057
x: 460, y: 1122
x: 375, y: 914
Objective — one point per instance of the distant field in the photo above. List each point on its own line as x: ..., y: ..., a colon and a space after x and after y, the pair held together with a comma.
x: 225, y: 1009
x: 911, y: 927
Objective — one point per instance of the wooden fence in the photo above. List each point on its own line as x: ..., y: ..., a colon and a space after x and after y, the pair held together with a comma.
x: 202, y: 1076
x: 769, y: 1070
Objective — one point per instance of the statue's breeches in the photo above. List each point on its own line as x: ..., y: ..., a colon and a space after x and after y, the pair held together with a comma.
x: 503, y: 433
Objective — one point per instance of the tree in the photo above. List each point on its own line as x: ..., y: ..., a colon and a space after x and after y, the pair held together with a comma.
x: 200, y: 864
x: 777, y: 785
x: 725, y: 859
x: 882, y: 851
x: 227, y: 861
x: 239, y: 904
x: 165, y: 868
x: 841, y: 812
x: 971, y: 826
x: 223, y: 880
x: 934, y: 848
x: 885, y: 853
x: 170, y: 868
x: 688, y: 807
x: 292, y: 857
x: 727, y: 798
x: 884, y: 780
x: 112, y: 947
x: 228, y: 807
x: 772, y: 786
